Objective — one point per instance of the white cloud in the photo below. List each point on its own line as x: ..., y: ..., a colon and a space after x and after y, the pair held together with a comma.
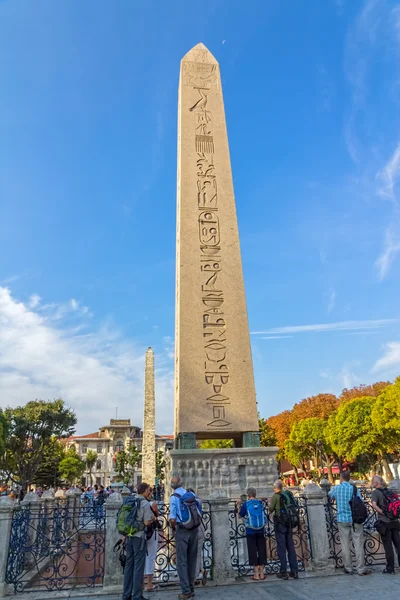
x: 93, y: 373
x: 34, y: 301
x: 390, y: 359
x: 339, y: 326
x: 346, y: 376
x: 390, y: 250
x: 388, y: 176
x: 332, y: 301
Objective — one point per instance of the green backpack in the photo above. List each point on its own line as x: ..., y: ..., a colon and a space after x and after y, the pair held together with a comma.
x: 127, y: 517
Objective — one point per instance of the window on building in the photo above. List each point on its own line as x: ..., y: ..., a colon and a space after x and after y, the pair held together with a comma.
x: 99, y: 448
x: 98, y: 480
x: 98, y: 465
x: 119, y: 446
x: 84, y: 448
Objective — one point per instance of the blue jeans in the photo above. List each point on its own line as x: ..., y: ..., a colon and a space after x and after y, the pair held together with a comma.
x: 134, y: 568
x: 284, y: 541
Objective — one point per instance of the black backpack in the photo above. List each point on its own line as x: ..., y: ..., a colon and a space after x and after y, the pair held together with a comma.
x: 359, y: 511
x: 289, y: 510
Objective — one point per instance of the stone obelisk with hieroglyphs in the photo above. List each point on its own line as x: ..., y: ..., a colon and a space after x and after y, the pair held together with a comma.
x: 214, y: 382
x: 149, y: 426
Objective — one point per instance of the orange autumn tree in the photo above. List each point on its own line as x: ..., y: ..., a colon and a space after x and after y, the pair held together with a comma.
x: 320, y: 406
x: 361, y: 391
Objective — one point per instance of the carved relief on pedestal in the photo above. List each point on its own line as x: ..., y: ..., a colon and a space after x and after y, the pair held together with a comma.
x: 251, y: 471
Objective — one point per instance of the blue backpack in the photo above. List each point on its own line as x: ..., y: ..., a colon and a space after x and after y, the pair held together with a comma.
x: 190, y: 510
x: 255, y: 515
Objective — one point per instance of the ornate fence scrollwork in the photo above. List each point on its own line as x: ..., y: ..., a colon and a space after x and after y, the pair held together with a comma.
x: 374, y: 553
x: 165, y: 567
x: 56, y: 547
x: 239, y: 556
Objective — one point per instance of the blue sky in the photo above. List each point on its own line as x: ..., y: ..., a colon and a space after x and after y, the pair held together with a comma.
x: 88, y: 113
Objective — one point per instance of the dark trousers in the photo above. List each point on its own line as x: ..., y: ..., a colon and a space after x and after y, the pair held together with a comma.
x: 391, y: 537
x: 186, y: 558
x: 134, y: 568
x: 257, y: 548
x: 284, y: 541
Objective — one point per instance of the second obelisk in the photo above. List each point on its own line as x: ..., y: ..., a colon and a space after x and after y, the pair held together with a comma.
x: 149, y: 426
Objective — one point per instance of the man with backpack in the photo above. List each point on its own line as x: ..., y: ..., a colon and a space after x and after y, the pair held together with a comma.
x: 285, y: 514
x: 132, y: 519
x: 185, y: 519
x: 387, y: 504
x: 351, y: 514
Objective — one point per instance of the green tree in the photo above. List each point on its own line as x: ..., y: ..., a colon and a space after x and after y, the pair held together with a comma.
x: 3, y: 432
x: 90, y: 460
x: 126, y: 462
x: 71, y: 467
x: 386, y: 412
x: 352, y: 433
x: 160, y: 466
x: 308, y: 440
x: 30, y: 429
x: 209, y: 444
x: 48, y: 473
x: 268, y: 435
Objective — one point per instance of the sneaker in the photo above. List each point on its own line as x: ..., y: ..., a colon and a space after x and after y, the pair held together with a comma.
x: 282, y: 576
x: 386, y: 572
x: 294, y: 574
x: 366, y: 572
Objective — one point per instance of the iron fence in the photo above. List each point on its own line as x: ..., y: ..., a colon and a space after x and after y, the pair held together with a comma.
x: 56, y: 546
x: 374, y: 553
x: 238, y: 545
x: 165, y: 566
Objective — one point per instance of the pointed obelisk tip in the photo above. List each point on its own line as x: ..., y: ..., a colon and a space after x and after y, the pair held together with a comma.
x: 200, y: 54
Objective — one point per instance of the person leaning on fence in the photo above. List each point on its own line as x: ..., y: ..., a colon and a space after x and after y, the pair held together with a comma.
x: 349, y: 530
x: 185, y: 519
x: 133, y: 517
x: 388, y: 524
x: 278, y: 508
x: 253, y: 511
x: 152, y: 543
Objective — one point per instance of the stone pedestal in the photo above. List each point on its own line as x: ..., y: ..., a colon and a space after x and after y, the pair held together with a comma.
x: 113, y: 577
x: 6, y: 513
x: 230, y: 469
x: 316, y: 499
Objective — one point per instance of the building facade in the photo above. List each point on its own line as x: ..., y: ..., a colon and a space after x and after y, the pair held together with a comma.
x: 107, y: 442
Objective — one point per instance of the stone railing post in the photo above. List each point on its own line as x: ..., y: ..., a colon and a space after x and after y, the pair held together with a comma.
x: 113, y: 577
x: 316, y: 499
x: 6, y: 514
x: 222, y: 566
x: 32, y: 504
x: 395, y: 485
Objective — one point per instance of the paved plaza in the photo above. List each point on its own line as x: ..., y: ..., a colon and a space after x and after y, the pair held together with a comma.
x: 338, y: 587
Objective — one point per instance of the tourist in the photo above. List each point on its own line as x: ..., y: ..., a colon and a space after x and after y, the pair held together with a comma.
x: 253, y: 511
x: 201, y: 573
x: 152, y: 543
x: 186, y: 539
x: 284, y: 534
x: 389, y: 529
x: 349, y: 531
x: 135, y: 546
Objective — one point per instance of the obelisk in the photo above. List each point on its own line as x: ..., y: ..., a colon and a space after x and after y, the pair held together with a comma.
x: 149, y: 427
x: 214, y: 381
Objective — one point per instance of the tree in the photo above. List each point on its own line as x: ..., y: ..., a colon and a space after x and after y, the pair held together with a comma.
x: 48, y: 471
x: 90, y: 460
x: 362, y: 391
x: 281, y: 425
x: 308, y: 440
x: 30, y: 429
x: 268, y: 435
x: 216, y: 444
x: 125, y: 463
x: 160, y: 466
x: 72, y: 466
x: 3, y: 432
x: 386, y: 412
x: 320, y: 406
x: 352, y: 433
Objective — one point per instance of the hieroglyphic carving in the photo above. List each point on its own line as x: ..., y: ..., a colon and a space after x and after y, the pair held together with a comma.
x: 197, y: 74
x: 216, y: 364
